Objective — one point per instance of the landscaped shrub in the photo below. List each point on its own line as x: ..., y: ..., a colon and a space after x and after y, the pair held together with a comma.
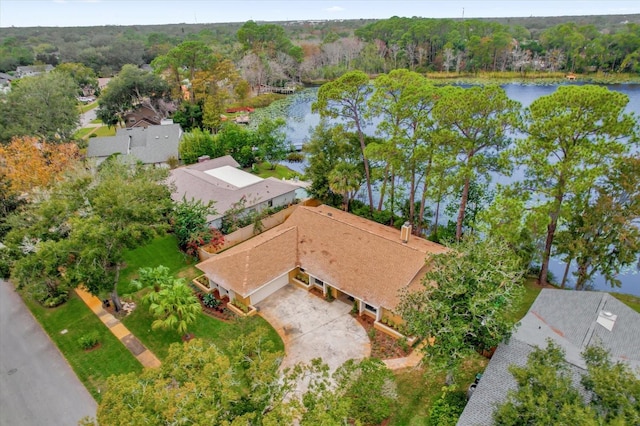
x: 534, y: 270
x: 53, y: 301
x: 302, y: 277
x: 210, y: 301
x: 89, y: 340
x: 329, y: 296
x: 447, y: 409
x: 202, y: 279
x: 295, y: 157
x: 243, y: 307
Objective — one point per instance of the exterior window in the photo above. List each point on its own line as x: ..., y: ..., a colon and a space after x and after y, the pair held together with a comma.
x: 370, y: 308
x: 270, y: 203
x: 318, y: 282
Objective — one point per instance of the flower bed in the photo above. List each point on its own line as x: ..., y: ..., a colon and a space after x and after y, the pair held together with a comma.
x: 218, y: 310
x: 383, y: 346
x: 242, y: 309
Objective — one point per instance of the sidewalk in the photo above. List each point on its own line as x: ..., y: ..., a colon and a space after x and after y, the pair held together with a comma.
x: 411, y: 360
x: 142, y: 354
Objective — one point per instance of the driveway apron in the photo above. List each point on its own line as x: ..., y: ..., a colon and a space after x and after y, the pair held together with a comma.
x: 314, y: 328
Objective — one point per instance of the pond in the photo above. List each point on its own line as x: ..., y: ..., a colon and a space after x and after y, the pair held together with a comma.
x: 301, y: 121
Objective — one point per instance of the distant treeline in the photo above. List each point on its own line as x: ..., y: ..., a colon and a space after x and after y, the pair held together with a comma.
x: 327, y: 49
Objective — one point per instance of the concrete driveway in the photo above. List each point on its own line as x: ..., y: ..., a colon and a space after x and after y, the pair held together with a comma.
x: 314, y: 328
x: 37, y: 386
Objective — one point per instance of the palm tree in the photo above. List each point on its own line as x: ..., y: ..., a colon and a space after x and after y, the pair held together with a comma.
x: 174, y: 307
x: 345, y: 179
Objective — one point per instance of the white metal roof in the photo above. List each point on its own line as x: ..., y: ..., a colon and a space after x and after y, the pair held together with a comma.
x: 233, y: 176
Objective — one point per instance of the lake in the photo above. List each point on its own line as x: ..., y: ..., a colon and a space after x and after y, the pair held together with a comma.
x: 301, y: 121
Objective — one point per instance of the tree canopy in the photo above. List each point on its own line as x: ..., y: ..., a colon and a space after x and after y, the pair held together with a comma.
x: 129, y: 89
x: 42, y: 106
x: 81, y: 227
x: 465, y: 301
x: 547, y: 392
x: 573, y: 138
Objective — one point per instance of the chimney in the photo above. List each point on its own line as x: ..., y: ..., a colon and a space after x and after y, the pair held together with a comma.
x: 203, y: 158
x: 405, y: 232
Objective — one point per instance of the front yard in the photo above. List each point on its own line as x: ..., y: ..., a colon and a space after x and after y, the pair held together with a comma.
x: 418, y: 388
x: 163, y: 251
x: 206, y: 328
x: 93, y: 366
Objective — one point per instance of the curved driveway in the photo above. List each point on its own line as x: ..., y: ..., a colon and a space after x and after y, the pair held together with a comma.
x: 37, y: 386
x: 314, y: 328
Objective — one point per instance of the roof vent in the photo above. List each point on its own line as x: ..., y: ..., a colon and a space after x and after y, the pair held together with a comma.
x: 405, y: 232
x: 329, y: 214
x: 607, y: 319
x: 203, y: 158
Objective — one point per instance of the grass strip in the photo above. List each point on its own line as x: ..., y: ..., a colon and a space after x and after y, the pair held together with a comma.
x: 94, y: 366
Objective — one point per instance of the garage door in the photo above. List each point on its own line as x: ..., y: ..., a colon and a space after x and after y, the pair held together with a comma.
x: 267, y: 290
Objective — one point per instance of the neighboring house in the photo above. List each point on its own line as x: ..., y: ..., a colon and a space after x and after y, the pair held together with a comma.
x: 359, y: 261
x: 103, y: 82
x: 150, y: 145
x: 220, y: 180
x: 573, y: 320
x: 143, y: 116
x: 31, y: 70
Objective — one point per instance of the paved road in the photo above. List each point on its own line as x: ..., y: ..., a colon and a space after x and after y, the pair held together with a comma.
x: 37, y: 386
x: 87, y: 118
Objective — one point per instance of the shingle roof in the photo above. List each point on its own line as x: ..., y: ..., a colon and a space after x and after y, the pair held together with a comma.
x: 269, y: 256
x: 569, y: 318
x: 363, y: 258
x: 154, y: 144
x: 192, y: 182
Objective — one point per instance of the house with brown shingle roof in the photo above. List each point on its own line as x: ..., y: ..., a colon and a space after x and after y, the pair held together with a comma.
x: 352, y: 258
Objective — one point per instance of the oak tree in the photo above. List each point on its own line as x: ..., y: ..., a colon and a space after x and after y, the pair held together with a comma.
x: 465, y: 300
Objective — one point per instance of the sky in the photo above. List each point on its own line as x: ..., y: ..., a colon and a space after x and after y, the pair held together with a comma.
x: 73, y: 13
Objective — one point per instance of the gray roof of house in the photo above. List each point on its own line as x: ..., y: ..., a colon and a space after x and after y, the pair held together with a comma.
x: 35, y: 68
x: 192, y: 182
x: 569, y: 318
x: 153, y: 144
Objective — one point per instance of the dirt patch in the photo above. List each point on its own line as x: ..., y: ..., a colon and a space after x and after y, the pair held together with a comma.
x: 383, y: 346
x: 93, y: 348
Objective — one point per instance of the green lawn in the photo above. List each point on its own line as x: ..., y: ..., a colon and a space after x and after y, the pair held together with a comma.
x: 206, y: 328
x: 81, y: 133
x: 92, y: 367
x: 105, y: 131
x: 628, y: 299
x: 96, y: 121
x: 161, y: 251
x: 87, y: 107
x: 264, y: 171
x: 531, y: 291
x: 418, y: 388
